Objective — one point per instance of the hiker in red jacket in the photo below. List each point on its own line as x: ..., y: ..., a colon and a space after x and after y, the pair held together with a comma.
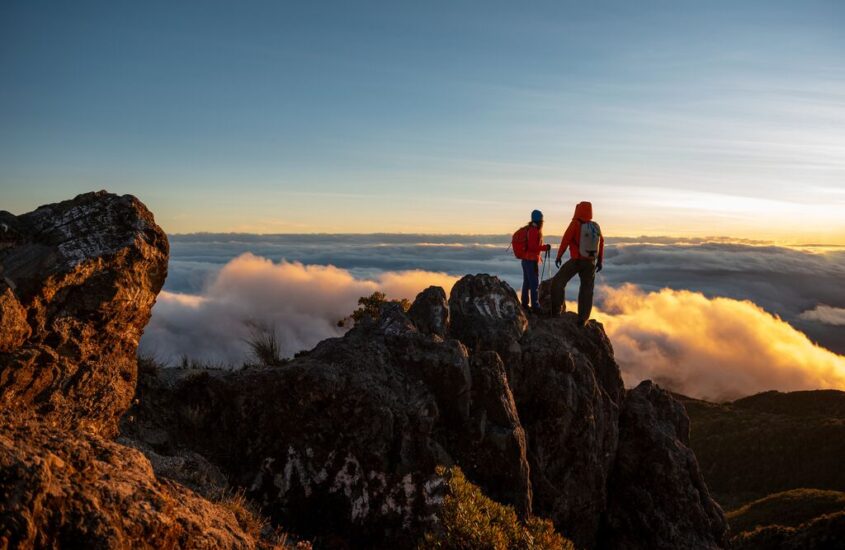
x: 586, y: 248
x: 531, y: 261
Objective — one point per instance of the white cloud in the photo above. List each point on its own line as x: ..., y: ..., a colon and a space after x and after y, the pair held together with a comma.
x: 302, y: 302
x: 825, y: 314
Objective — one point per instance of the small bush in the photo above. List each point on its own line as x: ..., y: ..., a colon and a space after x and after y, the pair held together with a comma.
x: 471, y: 521
x: 371, y: 306
x: 249, y: 518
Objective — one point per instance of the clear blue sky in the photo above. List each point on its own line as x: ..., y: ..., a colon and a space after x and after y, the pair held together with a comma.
x: 684, y: 118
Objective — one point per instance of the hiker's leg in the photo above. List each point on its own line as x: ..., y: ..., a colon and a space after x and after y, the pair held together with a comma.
x: 566, y: 272
x: 587, y: 274
x: 535, y: 286
x: 526, y: 283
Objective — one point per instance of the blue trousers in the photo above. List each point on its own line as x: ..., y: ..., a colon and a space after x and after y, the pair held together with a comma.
x: 530, y: 282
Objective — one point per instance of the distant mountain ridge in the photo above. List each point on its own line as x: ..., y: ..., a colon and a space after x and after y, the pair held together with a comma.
x: 774, y: 460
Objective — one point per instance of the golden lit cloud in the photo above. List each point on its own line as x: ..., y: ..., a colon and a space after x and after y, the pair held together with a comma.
x: 712, y: 348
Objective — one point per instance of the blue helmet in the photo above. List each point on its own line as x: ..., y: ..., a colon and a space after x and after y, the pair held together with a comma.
x: 536, y: 216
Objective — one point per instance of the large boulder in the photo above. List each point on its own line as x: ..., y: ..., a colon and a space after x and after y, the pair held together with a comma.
x: 84, y: 491
x: 657, y: 495
x: 485, y: 314
x: 430, y: 311
x: 79, y: 279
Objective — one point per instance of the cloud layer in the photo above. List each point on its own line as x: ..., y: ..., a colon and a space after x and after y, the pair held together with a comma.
x: 825, y: 314
x: 301, y: 302
x: 712, y: 348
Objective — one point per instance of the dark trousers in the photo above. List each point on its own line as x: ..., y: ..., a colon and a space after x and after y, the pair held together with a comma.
x: 586, y: 271
x: 530, y: 282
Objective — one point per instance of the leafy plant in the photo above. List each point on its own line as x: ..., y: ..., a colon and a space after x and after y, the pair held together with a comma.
x: 371, y: 306
x: 471, y: 521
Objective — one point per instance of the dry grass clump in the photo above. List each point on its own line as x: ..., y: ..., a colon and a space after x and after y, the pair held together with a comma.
x: 249, y: 518
x: 471, y: 521
x: 264, y: 344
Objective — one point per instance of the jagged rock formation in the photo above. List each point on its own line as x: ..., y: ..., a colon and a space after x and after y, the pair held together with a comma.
x: 77, y: 282
x: 658, y: 498
x: 354, y: 428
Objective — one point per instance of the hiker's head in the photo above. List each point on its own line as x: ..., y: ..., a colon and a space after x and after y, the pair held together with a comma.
x: 584, y: 211
x: 537, y: 217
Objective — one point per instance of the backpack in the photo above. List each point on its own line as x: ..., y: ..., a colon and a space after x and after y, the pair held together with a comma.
x: 588, y: 245
x: 519, y: 241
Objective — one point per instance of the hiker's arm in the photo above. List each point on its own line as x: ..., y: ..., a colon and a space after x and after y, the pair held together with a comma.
x: 568, y: 235
x: 601, y: 249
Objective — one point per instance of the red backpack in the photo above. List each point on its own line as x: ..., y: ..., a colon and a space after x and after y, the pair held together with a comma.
x: 519, y: 242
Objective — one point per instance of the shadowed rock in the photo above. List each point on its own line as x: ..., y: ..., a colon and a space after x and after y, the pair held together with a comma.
x: 77, y: 282
x: 568, y: 392
x: 430, y: 311
x: 657, y: 495
x: 485, y: 314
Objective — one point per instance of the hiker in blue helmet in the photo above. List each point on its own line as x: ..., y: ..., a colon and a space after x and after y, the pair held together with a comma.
x: 528, y: 245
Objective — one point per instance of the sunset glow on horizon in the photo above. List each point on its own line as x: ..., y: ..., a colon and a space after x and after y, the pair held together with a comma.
x: 714, y: 119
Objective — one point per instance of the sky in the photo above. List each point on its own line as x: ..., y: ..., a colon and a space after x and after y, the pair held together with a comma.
x: 674, y: 118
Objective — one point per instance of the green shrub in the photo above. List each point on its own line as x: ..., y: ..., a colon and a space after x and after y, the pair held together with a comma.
x: 471, y: 521
x: 371, y: 306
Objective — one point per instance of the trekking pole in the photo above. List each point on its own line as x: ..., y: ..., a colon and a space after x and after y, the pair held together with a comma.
x: 543, y: 276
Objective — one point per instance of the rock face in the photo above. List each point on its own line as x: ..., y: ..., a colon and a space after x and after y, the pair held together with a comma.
x: 658, y: 498
x: 77, y: 282
x: 87, y: 492
x: 354, y: 428
x: 485, y: 313
x: 430, y: 311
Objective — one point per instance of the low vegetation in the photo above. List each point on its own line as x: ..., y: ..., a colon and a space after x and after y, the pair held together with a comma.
x: 371, y: 306
x: 471, y: 521
x: 789, y: 508
x: 825, y: 532
x: 769, y: 443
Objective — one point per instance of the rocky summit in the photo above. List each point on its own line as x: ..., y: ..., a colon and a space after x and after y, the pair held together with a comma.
x: 343, y: 441
x: 344, y: 445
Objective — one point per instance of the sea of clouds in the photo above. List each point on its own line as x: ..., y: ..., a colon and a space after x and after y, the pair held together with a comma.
x: 712, y: 318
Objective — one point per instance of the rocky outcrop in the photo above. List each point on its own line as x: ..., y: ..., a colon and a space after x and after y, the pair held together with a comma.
x: 356, y: 427
x: 485, y: 314
x: 430, y: 311
x: 58, y: 491
x: 569, y: 392
x: 344, y: 443
x: 77, y: 282
x: 657, y: 495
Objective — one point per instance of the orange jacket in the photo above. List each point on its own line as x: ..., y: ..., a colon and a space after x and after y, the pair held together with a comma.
x: 572, y: 235
x: 535, y: 244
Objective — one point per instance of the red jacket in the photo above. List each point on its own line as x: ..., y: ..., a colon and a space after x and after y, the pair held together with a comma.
x: 572, y: 236
x: 535, y: 244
